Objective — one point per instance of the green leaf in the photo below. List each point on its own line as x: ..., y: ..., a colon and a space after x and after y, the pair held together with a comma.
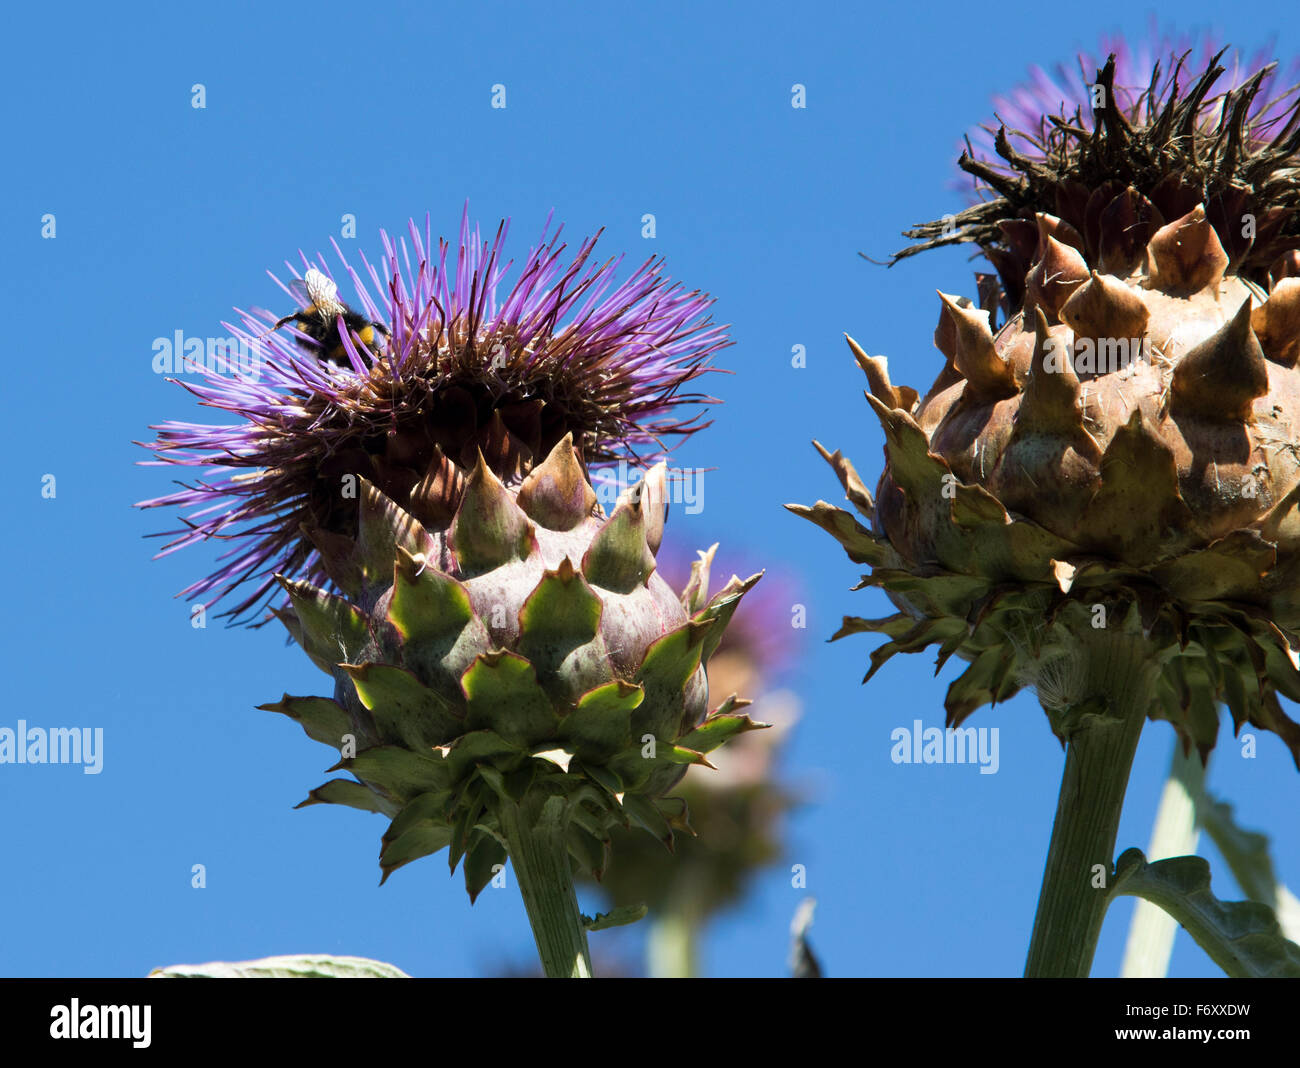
x: 643, y: 810
x: 405, y: 710
x: 419, y: 830
x: 859, y: 543
x: 673, y: 658
x: 978, y: 685
x: 400, y: 773
x: 475, y: 749
x: 382, y: 527
x: 489, y: 528
x: 600, y: 725
x: 485, y: 857
x: 937, y: 595
x: 323, y: 720
x: 504, y: 696
x: 607, y: 778
x: 917, y: 637
x: 895, y: 626
x: 618, y: 558
x: 469, y: 810
x: 716, y: 730
x: 696, y: 594
x: 679, y: 754
x: 333, y: 630
x: 667, y: 666
x: 305, y: 966
x: 425, y: 809
x: 1229, y: 569
x: 732, y: 703
x: 1241, y: 937
x: 1245, y: 851
x: 560, y: 614
x: 854, y: 488
x: 420, y: 841
x: 677, y: 813
x: 617, y: 917
x: 559, y: 627
x: 294, y: 627
x: 427, y: 605
x: 721, y: 607
x: 347, y: 792
x: 589, y: 850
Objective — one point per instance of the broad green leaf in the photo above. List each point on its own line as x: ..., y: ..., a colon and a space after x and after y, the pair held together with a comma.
x: 1241, y: 937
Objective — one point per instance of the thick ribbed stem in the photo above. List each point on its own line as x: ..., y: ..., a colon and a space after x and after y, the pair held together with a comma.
x: 534, y: 832
x: 1151, y: 933
x: 1072, y: 902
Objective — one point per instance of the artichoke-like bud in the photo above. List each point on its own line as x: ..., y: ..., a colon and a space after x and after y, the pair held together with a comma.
x: 1119, y: 456
x: 528, y: 646
x: 510, y: 673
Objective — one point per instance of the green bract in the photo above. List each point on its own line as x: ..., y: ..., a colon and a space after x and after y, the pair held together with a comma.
x: 526, y: 649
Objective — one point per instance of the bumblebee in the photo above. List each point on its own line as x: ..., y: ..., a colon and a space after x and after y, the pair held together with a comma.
x: 319, y: 321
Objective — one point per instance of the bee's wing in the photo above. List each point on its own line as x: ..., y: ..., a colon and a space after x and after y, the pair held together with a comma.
x: 298, y: 287
x: 321, y: 290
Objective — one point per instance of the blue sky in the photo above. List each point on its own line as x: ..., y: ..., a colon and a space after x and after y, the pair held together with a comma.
x: 168, y: 216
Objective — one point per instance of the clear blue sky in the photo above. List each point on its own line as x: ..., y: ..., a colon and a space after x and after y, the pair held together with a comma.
x: 169, y: 216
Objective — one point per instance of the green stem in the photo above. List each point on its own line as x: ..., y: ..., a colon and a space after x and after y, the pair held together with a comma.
x: 671, y: 946
x: 1119, y: 669
x: 534, y: 832
x: 1151, y: 932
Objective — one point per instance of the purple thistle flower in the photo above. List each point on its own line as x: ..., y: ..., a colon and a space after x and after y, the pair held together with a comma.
x: 1169, y: 132
x: 465, y: 366
x: 1145, y: 72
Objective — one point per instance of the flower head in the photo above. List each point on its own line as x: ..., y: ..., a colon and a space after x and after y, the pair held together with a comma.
x: 1084, y: 466
x: 459, y: 363
x: 1124, y: 152
x: 1149, y: 63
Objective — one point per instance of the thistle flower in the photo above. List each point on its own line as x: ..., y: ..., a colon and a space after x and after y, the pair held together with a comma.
x: 1105, y: 478
x: 1158, y: 147
x: 511, y: 675
x: 565, y: 351
x: 1100, y: 498
x: 1027, y: 113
